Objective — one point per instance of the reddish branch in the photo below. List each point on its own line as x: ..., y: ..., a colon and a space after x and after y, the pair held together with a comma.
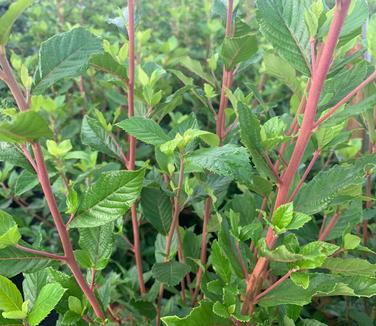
x: 42, y: 173
x: 326, y: 230
x: 227, y: 80
x: 132, y: 143
x: 321, y: 71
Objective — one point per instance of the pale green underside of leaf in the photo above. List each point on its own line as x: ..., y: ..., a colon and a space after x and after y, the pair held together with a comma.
x: 47, y: 299
x: 25, y: 126
x: 106, y: 63
x: 282, y: 23
x: 14, y: 261
x: 320, y: 285
x: 64, y: 55
x: 350, y: 266
x: 8, y: 19
x: 199, y: 316
x: 108, y: 198
x: 318, y: 193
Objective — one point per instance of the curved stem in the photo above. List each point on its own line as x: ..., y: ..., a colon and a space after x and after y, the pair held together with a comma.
x: 46, y: 187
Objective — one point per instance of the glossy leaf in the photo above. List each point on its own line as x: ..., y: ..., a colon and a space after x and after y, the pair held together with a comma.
x: 9, y: 234
x: 108, y: 198
x: 10, y: 296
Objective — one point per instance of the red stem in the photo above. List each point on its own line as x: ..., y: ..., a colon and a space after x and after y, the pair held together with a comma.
x: 274, y: 285
x: 315, y: 156
x: 40, y: 253
x: 132, y: 143
x: 317, y: 83
x: 345, y: 99
x: 46, y: 187
x: 330, y: 226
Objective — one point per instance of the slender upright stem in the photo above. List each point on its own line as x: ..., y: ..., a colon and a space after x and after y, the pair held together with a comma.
x: 46, y: 187
x: 132, y: 142
x: 221, y: 132
x: 173, y: 229
x: 318, y: 79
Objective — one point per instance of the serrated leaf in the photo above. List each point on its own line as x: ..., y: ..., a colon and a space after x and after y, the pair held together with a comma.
x: 228, y: 160
x: 47, y: 299
x: 145, y: 130
x: 201, y: 315
x: 9, y: 234
x: 170, y: 273
x: 10, y: 153
x: 283, y: 215
x: 350, y: 266
x: 32, y: 284
x: 106, y: 63
x: 25, y: 126
x: 8, y: 19
x: 282, y: 23
x: 64, y: 55
x: 220, y: 263
x: 238, y: 49
x: 14, y: 261
x: 317, y: 194
x: 25, y: 182
x: 251, y: 138
x: 10, y: 296
x: 96, y: 137
x: 157, y: 209
x: 98, y: 242
x: 108, y: 198
x: 351, y: 241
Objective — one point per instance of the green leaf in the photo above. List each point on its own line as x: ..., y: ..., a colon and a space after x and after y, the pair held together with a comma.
x: 238, y: 49
x: 317, y: 194
x: 351, y: 241
x: 282, y: 70
x: 25, y: 126
x: 145, y: 130
x: 98, y: 242
x: 108, y: 198
x: 10, y: 153
x: 300, y: 279
x: 170, y: 273
x: 33, y: 283
x: 201, y: 315
x: 157, y: 209
x: 106, y: 63
x: 251, y: 138
x: 9, y: 234
x: 64, y: 55
x: 283, y: 215
x: 8, y: 19
x: 195, y: 67
x: 75, y: 305
x: 26, y: 181
x: 220, y: 263
x: 97, y: 138
x: 228, y: 160
x: 10, y: 296
x: 14, y: 261
x: 282, y: 23
x: 47, y: 299
x: 371, y: 38
x: 350, y: 266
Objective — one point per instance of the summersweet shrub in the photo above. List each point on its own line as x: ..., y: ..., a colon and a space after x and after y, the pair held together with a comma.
x: 140, y: 186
